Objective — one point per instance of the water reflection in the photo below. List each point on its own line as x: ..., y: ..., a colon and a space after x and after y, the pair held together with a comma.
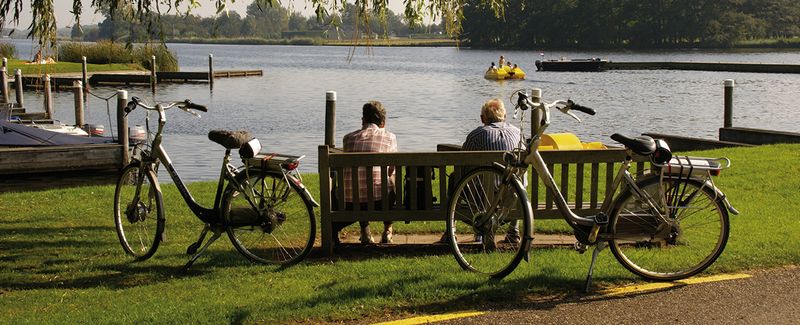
x: 433, y: 96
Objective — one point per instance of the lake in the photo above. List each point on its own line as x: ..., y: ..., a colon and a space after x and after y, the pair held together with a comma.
x: 434, y: 95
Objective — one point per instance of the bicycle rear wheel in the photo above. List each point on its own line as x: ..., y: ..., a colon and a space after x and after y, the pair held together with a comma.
x: 281, y: 227
x: 482, y: 211
x: 138, y: 212
x: 689, y: 238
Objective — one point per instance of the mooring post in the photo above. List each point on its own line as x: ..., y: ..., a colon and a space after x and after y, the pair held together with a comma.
x: 122, y: 125
x: 48, y: 97
x: 4, y: 82
x: 153, y: 73
x: 5, y: 62
x: 18, y: 86
x: 211, y: 70
x: 536, y: 115
x: 84, y: 77
x: 728, y: 122
x: 78, y: 89
x: 330, y: 119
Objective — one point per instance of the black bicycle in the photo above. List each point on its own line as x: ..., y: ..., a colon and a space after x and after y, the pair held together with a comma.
x: 263, y: 205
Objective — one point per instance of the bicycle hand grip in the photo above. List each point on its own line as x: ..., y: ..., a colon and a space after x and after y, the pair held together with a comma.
x: 580, y: 108
x: 194, y: 106
x: 131, y: 104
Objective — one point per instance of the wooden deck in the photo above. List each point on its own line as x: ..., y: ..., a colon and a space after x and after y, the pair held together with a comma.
x: 65, y: 82
x: 27, y: 160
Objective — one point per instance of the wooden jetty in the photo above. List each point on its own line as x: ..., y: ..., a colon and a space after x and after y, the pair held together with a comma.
x: 65, y: 82
x: 706, y: 66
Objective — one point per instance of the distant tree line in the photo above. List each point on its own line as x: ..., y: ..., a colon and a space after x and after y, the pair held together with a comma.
x: 259, y: 22
x: 629, y: 23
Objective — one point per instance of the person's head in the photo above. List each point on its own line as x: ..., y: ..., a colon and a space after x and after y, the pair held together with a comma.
x: 515, y: 66
x: 493, y: 111
x: 501, y: 57
x: 373, y: 112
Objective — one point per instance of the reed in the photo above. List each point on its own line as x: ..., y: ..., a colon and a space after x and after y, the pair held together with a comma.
x: 8, y: 51
x: 105, y: 52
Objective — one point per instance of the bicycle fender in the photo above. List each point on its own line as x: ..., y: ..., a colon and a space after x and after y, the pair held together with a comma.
x: 720, y: 195
x: 303, y: 189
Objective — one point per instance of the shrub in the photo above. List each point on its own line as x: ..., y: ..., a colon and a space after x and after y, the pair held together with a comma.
x: 8, y: 51
x: 103, y: 52
x: 165, y: 59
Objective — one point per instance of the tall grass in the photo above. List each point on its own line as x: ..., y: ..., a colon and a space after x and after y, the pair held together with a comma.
x: 105, y: 52
x: 8, y: 51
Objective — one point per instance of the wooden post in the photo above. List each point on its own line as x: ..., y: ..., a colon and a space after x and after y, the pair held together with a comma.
x: 48, y: 97
x: 153, y: 73
x: 330, y: 119
x: 18, y: 86
x: 211, y: 70
x: 4, y: 83
x: 5, y: 62
x: 78, y: 88
x: 122, y: 125
x: 536, y: 115
x: 728, y: 119
x: 84, y: 73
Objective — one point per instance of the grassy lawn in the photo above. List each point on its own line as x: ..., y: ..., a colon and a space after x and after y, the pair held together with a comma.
x: 61, y: 261
x: 65, y: 67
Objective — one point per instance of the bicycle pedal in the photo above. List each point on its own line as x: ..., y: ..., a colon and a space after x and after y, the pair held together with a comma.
x: 580, y: 247
x: 601, y: 219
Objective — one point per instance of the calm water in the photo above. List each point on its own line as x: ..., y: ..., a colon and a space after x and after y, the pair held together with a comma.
x: 433, y: 95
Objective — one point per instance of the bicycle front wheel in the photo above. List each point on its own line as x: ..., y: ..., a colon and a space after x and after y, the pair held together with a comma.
x: 688, y: 238
x: 138, y: 212
x: 270, y: 220
x: 483, y: 223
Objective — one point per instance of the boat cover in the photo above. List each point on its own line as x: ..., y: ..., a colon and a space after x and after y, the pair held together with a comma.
x: 12, y: 134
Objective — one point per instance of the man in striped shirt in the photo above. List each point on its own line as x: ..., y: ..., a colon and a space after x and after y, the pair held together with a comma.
x: 372, y: 137
x: 495, y: 134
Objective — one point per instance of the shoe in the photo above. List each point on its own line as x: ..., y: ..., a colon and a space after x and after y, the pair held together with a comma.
x: 366, y: 237
x: 511, y: 238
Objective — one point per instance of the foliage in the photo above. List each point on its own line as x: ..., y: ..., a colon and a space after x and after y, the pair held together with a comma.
x: 59, y: 249
x: 105, y: 52
x: 8, y: 51
x: 146, y: 12
x: 585, y: 24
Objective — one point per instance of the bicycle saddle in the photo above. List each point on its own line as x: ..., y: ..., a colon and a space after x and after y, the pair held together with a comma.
x: 642, y: 145
x: 229, y: 139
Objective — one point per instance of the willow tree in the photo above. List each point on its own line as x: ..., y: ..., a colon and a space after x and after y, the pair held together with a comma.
x: 43, y: 24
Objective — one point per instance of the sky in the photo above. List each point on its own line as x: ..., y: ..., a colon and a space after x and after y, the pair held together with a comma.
x: 65, y: 19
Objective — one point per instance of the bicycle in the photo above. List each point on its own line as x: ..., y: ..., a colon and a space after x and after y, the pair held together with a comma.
x: 263, y: 205
x: 675, y: 210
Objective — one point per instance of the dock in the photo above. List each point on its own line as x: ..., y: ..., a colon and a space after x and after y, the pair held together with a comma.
x: 65, y: 82
x: 706, y: 66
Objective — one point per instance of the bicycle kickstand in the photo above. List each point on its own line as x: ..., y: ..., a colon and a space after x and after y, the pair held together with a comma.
x: 214, y: 237
x: 597, y: 248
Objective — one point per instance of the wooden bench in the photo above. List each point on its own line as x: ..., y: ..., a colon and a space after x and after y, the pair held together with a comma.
x: 582, y: 187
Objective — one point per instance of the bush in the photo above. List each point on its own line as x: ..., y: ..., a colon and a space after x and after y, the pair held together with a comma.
x: 104, y: 52
x: 8, y: 51
x: 165, y: 59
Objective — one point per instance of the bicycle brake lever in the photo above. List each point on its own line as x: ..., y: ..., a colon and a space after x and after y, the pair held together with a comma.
x: 565, y: 110
x: 193, y: 113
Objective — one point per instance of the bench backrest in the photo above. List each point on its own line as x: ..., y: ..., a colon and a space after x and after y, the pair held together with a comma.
x: 585, y: 176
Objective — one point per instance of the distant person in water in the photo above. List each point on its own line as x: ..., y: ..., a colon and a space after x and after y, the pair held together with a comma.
x: 502, y: 61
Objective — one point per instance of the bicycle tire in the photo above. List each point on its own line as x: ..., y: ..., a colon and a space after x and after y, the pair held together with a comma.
x: 471, y: 202
x: 139, y: 223
x: 657, y: 250
x: 289, y: 235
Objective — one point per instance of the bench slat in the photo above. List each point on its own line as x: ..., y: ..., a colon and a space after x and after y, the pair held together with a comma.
x: 370, y: 189
x: 385, y: 188
x: 593, y: 184
x: 579, y: 186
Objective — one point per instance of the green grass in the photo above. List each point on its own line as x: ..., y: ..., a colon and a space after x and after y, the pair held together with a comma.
x: 65, y: 67
x: 61, y: 261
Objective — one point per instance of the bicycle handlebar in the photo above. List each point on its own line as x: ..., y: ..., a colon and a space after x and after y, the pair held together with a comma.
x: 184, y: 104
x: 580, y: 108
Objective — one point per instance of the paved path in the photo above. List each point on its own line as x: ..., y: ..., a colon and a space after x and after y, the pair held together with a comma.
x: 767, y: 297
